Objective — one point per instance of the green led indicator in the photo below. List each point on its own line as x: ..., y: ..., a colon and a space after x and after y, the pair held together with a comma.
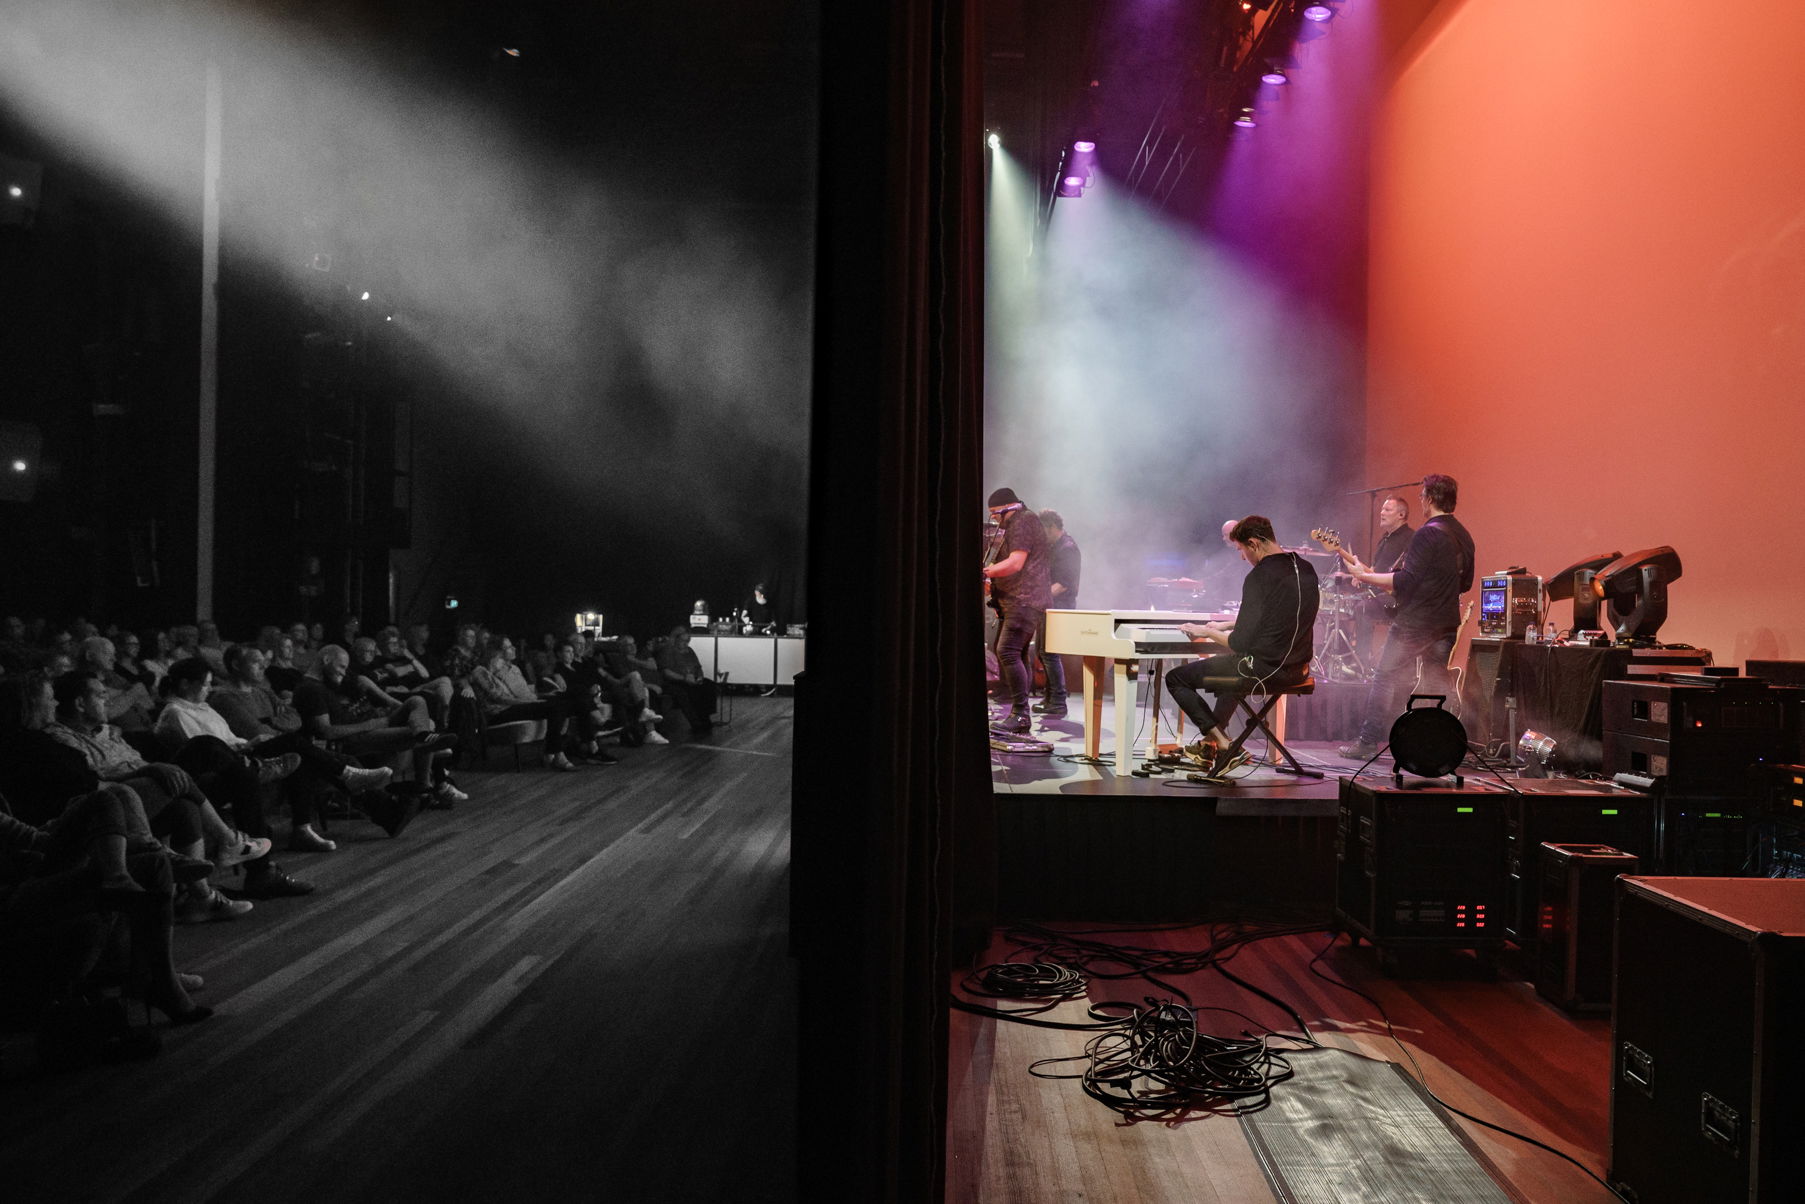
x: 1714, y: 815
x: 1463, y: 810
x: 1607, y: 811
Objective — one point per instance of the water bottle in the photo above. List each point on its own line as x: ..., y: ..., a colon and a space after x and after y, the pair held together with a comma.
x: 1548, y: 632
x: 1530, y: 632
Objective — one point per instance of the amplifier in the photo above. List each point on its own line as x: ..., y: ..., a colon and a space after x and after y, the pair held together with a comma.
x: 1696, y: 736
x: 1420, y: 868
x: 1701, y: 834
x: 1707, y: 1053
x: 1576, y: 890
x: 1585, y: 815
x: 1508, y: 604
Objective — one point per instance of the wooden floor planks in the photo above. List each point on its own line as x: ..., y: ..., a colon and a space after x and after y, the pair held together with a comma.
x: 1490, y: 1047
x: 572, y: 986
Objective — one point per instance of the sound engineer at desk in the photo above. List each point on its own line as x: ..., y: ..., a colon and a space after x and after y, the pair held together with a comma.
x: 1269, y: 644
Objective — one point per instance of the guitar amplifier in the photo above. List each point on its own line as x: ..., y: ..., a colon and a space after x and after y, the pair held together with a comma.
x: 1508, y: 604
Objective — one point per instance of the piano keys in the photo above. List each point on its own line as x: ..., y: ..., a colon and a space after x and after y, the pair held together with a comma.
x: 1121, y: 638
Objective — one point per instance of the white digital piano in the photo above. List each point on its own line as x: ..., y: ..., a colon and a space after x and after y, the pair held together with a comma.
x: 1123, y: 637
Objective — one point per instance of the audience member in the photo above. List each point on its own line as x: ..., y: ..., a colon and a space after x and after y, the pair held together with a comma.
x: 684, y: 680
x: 129, y: 703
x: 334, y: 708
x: 257, y: 715
x: 506, y: 697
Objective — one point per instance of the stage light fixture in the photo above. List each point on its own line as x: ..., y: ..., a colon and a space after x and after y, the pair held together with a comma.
x: 994, y: 142
x: 20, y: 466
x: 1071, y: 187
x: 1275, y: 75
x: 1318, y: 12
x: 14, y: 191
x: 1245, y: 119
x: 1536, y: 753
x: 1084, y: 148
x: 365, y: 297
x: 512, y: 52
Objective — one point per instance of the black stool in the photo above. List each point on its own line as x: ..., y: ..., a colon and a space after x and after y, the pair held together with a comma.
x: 1257, y: 719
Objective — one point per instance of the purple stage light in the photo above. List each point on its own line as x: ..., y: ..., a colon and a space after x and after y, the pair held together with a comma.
x: 1318, y: 12
x: 1245, y: 120
x: 1274, y: 75
x: 1084, y: 148
x: 1074, y: 181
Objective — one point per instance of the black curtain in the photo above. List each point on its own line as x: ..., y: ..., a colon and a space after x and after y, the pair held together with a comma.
x: 893, y: 864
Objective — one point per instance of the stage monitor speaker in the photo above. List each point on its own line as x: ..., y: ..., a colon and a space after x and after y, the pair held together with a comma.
x: 1575, y: 903
x: 1568, y: 812
x: 1421, y: 867
x: 1707, y: 1053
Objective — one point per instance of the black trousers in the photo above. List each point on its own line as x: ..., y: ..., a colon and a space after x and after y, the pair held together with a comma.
x: 1227, y: 677
x: 1398, y: 668
x: 696, y: 699
x: 556, y: 713
x: 1014, y: 634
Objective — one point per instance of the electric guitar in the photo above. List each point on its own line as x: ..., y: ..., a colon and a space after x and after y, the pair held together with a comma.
x: 1457, y: 673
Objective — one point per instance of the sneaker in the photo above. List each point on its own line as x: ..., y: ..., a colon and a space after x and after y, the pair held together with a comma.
x: 198, y: 909
x: 1050, y: 707
x: 276, y: 768
x: 190, y: 982
x: 1227, y: 765
x: 305, y: 840
x: 652, y: 737
x: 1010, y: 722
x: 241, y: 848
x: 559, y: 762
x: 272, y: 883
x: 447, y: 791
x: 598, y: 757
x: 1202, y: 751
x: 357, y: 778
x: 649, y: 715
x: 1360, y: 750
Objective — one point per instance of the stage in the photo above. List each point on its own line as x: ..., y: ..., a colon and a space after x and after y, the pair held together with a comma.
x: 1076, y: 840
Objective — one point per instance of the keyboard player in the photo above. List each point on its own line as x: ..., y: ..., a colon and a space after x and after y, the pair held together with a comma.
x: 1268, y: 646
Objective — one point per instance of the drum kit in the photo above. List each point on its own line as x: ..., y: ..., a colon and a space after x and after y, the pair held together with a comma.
x: 1339, y: 658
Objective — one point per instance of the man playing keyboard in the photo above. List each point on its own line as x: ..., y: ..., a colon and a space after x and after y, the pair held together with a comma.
x: 1269, y: 644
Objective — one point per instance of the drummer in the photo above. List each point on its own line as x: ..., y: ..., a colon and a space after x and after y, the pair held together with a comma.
x: 1395, y: 533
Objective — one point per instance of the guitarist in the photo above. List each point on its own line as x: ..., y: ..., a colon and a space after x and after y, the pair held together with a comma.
x: 1436, y: 569
x: 1395, y: 533
x: 1020, y: 591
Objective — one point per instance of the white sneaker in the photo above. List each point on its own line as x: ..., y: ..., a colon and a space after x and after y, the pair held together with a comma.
x: 560, y: 762
x: 655, y: 738
x: 357, y: 779
x: 215, y: 906
x: 446, y: 790
x: 241, y: 848
x: 648, y: 714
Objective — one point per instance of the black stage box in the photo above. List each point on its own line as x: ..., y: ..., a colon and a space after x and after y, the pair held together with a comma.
x: 1707, y: 1049
x: 1702, y: 834
x: 1421, y: 867
x: 1697, y: 737
x: 1575, y: 902
x: 1577, y: 813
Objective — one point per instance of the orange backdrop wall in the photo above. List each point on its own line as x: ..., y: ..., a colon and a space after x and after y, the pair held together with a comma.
x: 1588, y: 293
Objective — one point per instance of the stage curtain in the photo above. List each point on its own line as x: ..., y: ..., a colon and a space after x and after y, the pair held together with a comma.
x: 893, y: 858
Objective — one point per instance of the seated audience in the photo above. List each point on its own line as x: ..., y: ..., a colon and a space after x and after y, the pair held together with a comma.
x: 43, y: 764
x: 506, y: 697
x: 129, y: 703
x: 95, y: 856
x: 685, y: 682
x: 578, y: 685
x: 334, y: 708
x: 258, y: 716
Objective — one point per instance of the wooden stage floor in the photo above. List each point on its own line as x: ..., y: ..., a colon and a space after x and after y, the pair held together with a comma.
x: 573, y: 986
x: 1491, y: 1047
